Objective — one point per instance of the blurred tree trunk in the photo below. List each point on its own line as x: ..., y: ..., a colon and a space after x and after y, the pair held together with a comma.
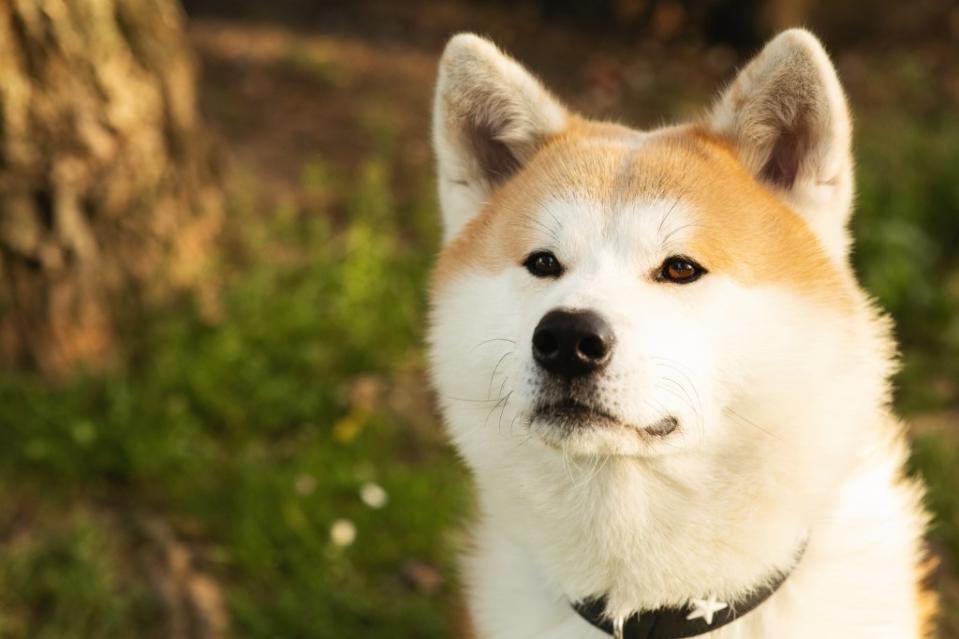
x: 108, y: 189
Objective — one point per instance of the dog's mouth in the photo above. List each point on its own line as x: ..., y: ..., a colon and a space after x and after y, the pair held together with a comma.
x: 571, y: 415
x: 570, y: 412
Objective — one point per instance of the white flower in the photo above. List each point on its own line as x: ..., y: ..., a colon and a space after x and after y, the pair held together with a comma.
x: 373, y: 495
x: 343, y: 532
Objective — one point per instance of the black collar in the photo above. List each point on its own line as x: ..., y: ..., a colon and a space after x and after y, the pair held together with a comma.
x: 675, y: 623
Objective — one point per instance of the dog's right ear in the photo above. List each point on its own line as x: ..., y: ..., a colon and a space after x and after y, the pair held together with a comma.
x: 489, y: 117
x: 786, y: 117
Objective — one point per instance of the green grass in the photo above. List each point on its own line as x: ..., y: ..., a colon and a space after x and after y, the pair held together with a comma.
x: 251, y: 430
x: 70, y: 582
x: 907, y: 247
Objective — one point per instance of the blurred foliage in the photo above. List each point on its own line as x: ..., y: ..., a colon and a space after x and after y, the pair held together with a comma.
x: 907, y: 247
x: 237, y: 428
x: 70, y: 584
x: 936, y: 456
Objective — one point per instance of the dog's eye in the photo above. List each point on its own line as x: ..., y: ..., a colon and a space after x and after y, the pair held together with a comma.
x: 543, y: 264
x: 680, y: 270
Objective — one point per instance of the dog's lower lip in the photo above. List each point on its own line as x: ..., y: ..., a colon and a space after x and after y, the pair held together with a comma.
x: 663, y: 427
x: 571, y: 409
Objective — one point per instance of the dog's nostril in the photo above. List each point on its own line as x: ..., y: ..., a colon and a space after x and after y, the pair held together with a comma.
x: 545, y: 343
x: 592, y: 347
x: 572, y: 343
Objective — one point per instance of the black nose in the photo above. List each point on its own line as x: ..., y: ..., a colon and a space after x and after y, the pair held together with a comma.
x: 572, y: 343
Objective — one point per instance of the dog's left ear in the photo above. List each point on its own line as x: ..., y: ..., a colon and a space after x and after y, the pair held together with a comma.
x: 786, y: 116
x: 490, y: 116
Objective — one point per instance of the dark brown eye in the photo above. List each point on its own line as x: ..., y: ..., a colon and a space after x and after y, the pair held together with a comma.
x: 543, y: 264
x: 680, y: 270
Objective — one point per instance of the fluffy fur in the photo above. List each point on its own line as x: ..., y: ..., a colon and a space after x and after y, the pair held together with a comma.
x: 774, y: 364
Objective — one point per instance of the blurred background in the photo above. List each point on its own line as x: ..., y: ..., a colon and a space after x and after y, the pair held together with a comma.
x: 216, y: 224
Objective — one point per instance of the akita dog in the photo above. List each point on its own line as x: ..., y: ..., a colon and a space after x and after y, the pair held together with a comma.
x: 651, y: 350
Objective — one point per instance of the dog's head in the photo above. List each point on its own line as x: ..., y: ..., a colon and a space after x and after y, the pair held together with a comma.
x: 605, y: 291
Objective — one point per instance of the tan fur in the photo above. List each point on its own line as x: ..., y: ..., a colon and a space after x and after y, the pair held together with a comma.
x: 461, y: 622
x: 927, y: 597
x: 744, y: 230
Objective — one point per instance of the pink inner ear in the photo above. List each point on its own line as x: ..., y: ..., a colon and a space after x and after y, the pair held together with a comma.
x: 782, y: 167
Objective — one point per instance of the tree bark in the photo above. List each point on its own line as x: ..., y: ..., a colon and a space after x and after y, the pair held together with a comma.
x: 109, y: 192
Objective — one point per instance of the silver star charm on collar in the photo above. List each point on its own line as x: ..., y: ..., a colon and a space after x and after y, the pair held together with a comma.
x: 705, y: 609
